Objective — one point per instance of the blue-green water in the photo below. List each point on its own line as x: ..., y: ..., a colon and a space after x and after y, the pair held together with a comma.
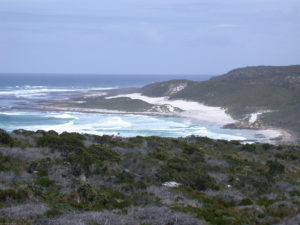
x: 17, y: 91
x: 116, y: 124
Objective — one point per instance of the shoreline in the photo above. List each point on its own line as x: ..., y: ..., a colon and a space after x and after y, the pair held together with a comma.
x: 193, y: 110
x: 273, y: 135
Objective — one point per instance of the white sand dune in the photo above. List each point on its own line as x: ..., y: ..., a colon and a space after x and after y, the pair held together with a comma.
x: 191, y: 109
x: 201, y: 112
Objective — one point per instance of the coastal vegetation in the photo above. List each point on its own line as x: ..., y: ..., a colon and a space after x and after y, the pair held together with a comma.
x: 270, y: 93
x: 71, y: 178
x: 272, y: 90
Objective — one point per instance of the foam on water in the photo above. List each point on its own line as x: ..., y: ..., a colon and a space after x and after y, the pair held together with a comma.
x: 35, y: 92
x: 115, y: 122
x: 61, y: 116
x: 118, y: 124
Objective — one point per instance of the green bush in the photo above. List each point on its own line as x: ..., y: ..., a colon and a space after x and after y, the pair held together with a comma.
x: 159, y: 155
x: 267, y: 146
x: 42, y: 173
x: 104, y: 153
x: 178, y: 164
x: 125, y: 177
x: 264, y: 202
x: 41, y: 166
x: 190, y: 149
x: 246, y: 201
x: 5, y: 162
x: 60, y: 142
x: 295, y: 193
x: 11, y: 195
x: 87, y: 192
x: 44, y: 181
x: 198, y: 180
x: 24, y: 132
x: 5, y: 138
x: 219, y: 216
x: 104, y: 198
x: 49, y: 141
x: 249, y: 147
x: 275, y: 168
x: 61, y: 208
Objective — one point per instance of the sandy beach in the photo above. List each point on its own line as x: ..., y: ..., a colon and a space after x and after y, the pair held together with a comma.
x: 204, y: 113
x: 198, y: 112
x: 191, y: 109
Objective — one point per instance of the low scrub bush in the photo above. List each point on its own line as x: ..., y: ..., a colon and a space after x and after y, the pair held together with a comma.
x: 44, y: 181
x: 5, y: 138
x: 11, y: 195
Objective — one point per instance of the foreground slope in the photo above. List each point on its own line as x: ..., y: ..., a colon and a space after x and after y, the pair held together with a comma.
x: 46, y: 178
x: 273, y: 91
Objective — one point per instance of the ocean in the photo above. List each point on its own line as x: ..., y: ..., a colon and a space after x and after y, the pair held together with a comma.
x: 19, y: 90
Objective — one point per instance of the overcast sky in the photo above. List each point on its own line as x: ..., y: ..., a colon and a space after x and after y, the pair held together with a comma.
x: 147, y: 36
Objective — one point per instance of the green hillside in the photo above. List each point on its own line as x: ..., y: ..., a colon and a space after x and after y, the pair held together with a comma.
x: 161, y: 89
x: 248, y: 90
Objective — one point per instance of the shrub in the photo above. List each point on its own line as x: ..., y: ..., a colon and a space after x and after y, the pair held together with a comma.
x: 49, y: 141
x: 87, y: 192
x: 5, y: 138
x: 281, y: 212
x: 264, y: 202
x: 178, y: 164
x: 41, y: 166
x: 10, y: 195
x: 198, y: 180
x: 267, y: 146
x: 219, y: 216
x: 42, y: 173
x: 61, y: 208
x: 246, y: 201
x: 44, y: 181
x: 59, y: 142
x: 295, y: 193
x: 23, y: 132
x: 104, y: 198
x: 275, y: 168
x: 159, y: 155
x: 104, y: 153
x: 249, y: 147
x: 234, y: 142
x: 5, y: 162
x: 190, y: 149
x: 125, y: 177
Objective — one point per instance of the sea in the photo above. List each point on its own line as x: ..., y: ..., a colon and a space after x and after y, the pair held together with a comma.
x: 19, y: 91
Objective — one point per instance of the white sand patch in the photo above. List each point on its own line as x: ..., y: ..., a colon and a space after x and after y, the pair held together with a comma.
x: 116, y: 122
x: 272, y: 133
x: 61, y: 116
x: 191, y: 109
x: 253, y: 117
x: 171, y: 184
x: 177, y: 88
x: 95, y: 94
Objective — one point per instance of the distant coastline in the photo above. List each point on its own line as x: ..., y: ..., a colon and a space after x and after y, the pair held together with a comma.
x: 262, y: 99
x: 191, y: 110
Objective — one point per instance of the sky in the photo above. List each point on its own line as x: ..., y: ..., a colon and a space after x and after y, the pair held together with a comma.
x: 147, y: 36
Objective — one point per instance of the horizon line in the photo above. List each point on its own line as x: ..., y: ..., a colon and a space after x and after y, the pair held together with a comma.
x: 100, y: 74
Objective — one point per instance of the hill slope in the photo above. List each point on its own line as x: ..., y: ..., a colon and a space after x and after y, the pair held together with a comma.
x: 244, y: 91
